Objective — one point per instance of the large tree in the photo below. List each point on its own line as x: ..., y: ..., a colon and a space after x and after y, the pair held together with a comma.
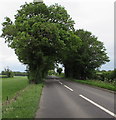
x: 43, y: 35
x: 89, y: 56
x: 36, y: 36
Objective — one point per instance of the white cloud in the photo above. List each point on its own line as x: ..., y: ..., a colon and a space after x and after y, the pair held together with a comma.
x: 8, y: 58
x: 95, y: 16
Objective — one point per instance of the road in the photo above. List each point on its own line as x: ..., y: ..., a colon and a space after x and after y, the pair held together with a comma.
x: 67, y: 99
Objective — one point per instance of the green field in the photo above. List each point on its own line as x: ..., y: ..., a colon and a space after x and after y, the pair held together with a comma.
x: 10, y: 86
x: 3, y: 76
x: 26, y: 105
x: 27, y: 98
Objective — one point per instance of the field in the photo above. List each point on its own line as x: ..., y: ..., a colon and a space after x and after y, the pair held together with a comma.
x: 3, y: 76
x: 12, y: 85
x: 23, y: 99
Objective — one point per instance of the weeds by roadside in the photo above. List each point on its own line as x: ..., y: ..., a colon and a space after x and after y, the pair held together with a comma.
x: 26, y: 105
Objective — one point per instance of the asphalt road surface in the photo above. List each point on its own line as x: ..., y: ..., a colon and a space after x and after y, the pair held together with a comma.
x: 66, y: 99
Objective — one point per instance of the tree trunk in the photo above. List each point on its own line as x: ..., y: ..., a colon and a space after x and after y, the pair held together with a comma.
x: 68, y: 71
x: 35, y: 75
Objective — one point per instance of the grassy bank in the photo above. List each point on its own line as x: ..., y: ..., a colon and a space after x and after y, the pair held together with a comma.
x: 3, y: 76
x: 98, y: 83
x: 10, y: 86
x: 23, y: 98
x: 101, y: 84
x: 26, y: 105
x: 61, y: 75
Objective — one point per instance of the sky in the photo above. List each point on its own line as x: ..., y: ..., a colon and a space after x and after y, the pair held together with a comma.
x: 96, y: 16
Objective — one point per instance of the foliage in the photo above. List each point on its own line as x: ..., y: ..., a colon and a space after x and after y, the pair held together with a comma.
x: 20, y: 73
x: 36, y: 36
x: 59, y: 71
x: 62, y: 75
x: 51, y: 72
x: 88, y: 57
x: 44, y: 35
x: 108, y: 76
x: 8, y: 73
x: 97, y: 83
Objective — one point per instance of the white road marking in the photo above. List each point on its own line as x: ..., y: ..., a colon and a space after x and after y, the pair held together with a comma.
x: 68, y: 88
x: 60, y: 82
x: 99, y: 106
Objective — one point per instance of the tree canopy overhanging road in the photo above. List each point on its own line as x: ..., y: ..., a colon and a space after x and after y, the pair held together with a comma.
x: 43, y: 35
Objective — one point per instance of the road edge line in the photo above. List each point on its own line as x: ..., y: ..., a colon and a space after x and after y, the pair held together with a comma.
x: 68, y: 88
x: 60, y: 83
x: 99, y: 106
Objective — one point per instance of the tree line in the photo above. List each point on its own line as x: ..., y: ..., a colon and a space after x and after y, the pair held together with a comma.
x: 107, y: 76
x: 7, y: 73
x: 43, y: 36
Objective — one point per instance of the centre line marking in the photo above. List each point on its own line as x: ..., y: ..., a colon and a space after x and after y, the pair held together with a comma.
x: 68, y: 88
x: 60, y: 82
x: 99, y: 106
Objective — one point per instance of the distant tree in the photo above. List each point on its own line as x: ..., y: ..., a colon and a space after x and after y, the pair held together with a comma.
x: 20, y: 73
x: 8, y: 73
x: 59, y: 71
x: 3, y: 73
x: 113, y: 75
x: 51, y: 72
x: 109, y: 76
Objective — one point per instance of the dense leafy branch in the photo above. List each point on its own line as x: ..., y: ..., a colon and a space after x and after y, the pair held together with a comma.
x: 44, y: 35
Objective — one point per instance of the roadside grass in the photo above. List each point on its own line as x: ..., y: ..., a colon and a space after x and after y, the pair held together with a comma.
x: 10, y: 86
x: 3, y: 76
x: 25, y: 105
x: 61, y: 75
x: 98, y: 83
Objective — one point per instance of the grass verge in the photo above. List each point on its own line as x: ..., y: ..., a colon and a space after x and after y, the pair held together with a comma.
x: 10, y: 86
x: 98, y: 83
x: 61, y: 75
x: 109, y: 86
x: 26, y: 104
x: 3, y: 76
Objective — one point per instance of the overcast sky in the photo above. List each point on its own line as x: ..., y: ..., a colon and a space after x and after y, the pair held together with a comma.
x: 96, y: 16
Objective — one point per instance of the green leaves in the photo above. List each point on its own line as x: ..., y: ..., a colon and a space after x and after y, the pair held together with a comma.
x: 43, y: 35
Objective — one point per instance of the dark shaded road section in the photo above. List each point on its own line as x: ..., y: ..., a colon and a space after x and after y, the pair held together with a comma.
x: 66, y: 99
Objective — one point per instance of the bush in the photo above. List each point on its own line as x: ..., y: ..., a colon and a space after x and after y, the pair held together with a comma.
x: 8, y: 73
x: 20, y: 73
x: 51, y: 72
x: 59, y: 71
x: 108, y: 76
